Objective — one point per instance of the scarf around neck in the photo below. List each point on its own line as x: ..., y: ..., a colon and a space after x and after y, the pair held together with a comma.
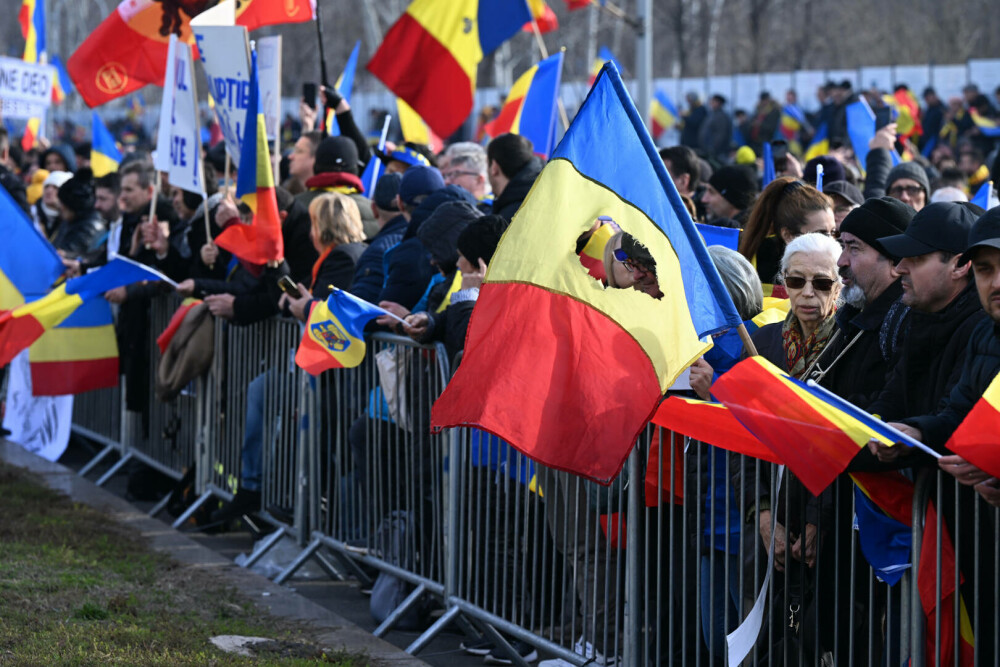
x: 801, y: 352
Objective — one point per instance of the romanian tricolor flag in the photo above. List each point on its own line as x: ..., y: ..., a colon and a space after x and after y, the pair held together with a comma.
x: 604, y: 55
x: 975, y: 439
x: 129, y: 48
x: 32, y: 20
x: 335, y: 333
x: 61, y: 83
x: 104, y: 154
x: 711, y: 423
x: 25, y: 324
x: 987, y: 126
x: 565, y: 370
x: 430, y: 55
x: 531, y: 106
x: 414, y: 129
x: 906, y: 113
x: 260, y: 241
x: 32, y: 133
x: 543, y: 16
x: 792, y: 120
x: 784, y: 413
x: 77, y: 355
x: 344, y: 86
x: 820, y: 143
x: 663, y: 113
x: 28, y: 263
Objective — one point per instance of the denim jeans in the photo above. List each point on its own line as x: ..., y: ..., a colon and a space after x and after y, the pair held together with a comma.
x: 715, y: 599
x: 253, y: 437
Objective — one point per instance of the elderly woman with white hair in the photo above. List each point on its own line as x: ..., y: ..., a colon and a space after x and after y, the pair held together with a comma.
x: 810, y: 275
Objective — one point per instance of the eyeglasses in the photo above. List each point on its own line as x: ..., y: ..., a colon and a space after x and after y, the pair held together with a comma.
x: 452, y: 175
x: 819, y: 284
x: 630, y: 265
x: 910, y: 190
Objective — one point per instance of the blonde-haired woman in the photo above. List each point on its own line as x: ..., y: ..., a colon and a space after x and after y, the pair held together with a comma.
x: 338, y: 235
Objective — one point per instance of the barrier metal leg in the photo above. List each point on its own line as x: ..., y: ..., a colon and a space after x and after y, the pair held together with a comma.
x: 182, y: 519
x: 328, y: 567
x: 398, y: 612
x: 354, y: 569
x: 259, y: 551
x: 503, y: 645
x: 114, y: 470
x: 94, y: 461
x: 420, y: 642
x: 159, y: 507
x: 299, y: 561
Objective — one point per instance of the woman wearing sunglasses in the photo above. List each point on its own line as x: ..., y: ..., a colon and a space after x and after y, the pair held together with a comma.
x: 808, y: 270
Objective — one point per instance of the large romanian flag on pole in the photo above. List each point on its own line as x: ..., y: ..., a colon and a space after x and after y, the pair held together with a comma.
x: 261, y: 241
x: 31, y: 17
x: 567, y: 371
x: 129, y: 48
x: 430, y: 55
x: 531, y: 107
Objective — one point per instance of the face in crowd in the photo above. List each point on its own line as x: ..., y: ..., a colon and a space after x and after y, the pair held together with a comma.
x: 813, y: 287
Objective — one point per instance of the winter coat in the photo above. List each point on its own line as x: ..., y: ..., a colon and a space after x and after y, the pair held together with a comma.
x: 369, y: 272
x: 507, y: 203
x: 84, y: 237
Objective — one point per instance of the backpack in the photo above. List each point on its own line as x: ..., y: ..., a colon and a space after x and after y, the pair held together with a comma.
x: 389, y: 591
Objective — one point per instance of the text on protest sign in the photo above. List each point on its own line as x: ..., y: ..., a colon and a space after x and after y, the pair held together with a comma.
x: 25, y: 88
x: 185, y: 139
x: 225, y: 55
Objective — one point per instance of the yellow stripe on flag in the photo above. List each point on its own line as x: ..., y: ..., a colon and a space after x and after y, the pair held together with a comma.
x: 75, y: 344
x: 454, y: 24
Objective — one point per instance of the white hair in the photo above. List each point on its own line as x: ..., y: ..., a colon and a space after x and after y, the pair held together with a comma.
x: 468, y: 154
x: 740, y: 279
x: 818, y: 243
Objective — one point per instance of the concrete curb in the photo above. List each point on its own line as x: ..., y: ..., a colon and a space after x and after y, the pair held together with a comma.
x: 333, y: 631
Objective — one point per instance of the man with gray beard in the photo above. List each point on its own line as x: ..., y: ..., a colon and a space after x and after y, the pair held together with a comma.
x: 872, y: 321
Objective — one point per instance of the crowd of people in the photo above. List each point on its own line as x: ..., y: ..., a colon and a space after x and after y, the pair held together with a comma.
x: 891, y: 275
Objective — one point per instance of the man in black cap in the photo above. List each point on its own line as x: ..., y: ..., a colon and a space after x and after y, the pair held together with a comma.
x: 335, y: 169
x: 369, y: 272
x: 871, y: 325
x: 937, y: 286
x: 846, y: 198
x: 729, y: 195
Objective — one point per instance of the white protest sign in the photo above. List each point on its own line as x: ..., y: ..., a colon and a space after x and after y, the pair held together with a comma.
x: 185, y: 137
x: 161, y: 156
x: 25, y: 88
x: 225, y: 55
x: 269, y: 78
x: 40, y: 424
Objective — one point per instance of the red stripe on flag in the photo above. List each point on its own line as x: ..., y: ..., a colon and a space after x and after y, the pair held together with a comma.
x: 260, y: 242
x: 570, y: 373
x: 504, y: 121
x: 713, y: 425
x: 312, y: 357
x: 16, y: 334
x: 58, y: 378
x: 812, y: 447
x: 976, y: 438
x: 163, y: 340
x: 421, y: 70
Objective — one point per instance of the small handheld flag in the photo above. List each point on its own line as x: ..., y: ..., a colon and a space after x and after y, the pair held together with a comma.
x: 334, y: 333
x: 104, y: 154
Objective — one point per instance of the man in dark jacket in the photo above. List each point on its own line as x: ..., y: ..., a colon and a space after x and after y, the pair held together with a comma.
x: 512, y: 168
x: 938, y: 288
x: 336, y: 166
x: 369, y: 274
x: 693, y: 120
x: 933, y: 117
x: 715, y: 134
x: 871, y: 325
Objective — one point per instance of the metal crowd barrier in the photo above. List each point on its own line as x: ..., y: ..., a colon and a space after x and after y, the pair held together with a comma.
x: 656, y: 569
x: 378, y: 484
x: 98, y: 416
